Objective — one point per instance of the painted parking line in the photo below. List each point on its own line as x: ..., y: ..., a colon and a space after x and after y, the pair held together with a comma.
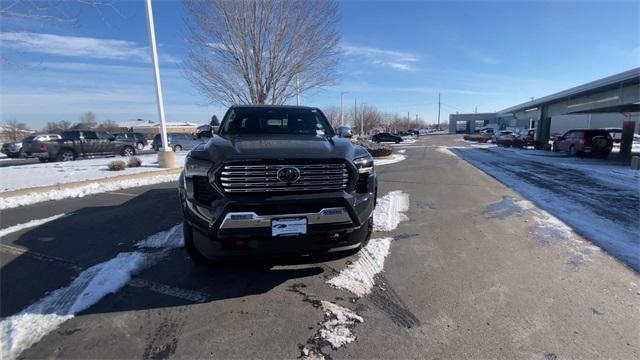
x: 123, y: 194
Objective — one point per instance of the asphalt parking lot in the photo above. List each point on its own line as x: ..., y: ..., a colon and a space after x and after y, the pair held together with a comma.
x: 472, y: 271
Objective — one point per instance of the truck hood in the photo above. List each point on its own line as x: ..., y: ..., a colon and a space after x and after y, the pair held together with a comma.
x: 256, y: 147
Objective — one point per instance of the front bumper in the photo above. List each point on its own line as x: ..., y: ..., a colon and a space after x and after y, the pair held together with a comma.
x: 240, y: 226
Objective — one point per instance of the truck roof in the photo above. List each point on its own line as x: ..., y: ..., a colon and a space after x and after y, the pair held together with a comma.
x: 274, y: 106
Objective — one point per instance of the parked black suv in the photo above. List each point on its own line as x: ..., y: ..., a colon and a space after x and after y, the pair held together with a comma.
x: 137, y: 139
x: 386, y: 137
x: 274, y: 181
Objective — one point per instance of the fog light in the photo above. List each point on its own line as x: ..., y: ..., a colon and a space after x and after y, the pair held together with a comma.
x: 333, y: 236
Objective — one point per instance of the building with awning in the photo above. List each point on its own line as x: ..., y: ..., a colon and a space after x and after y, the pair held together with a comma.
x: 618, y: 95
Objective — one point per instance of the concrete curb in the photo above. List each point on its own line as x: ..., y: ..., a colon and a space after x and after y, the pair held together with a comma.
x: 76, y: 184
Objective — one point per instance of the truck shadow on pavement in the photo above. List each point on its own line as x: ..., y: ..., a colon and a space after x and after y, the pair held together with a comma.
x: 59, y: 251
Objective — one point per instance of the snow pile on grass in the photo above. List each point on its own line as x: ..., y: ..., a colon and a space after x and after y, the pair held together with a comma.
x: 395, y: 158
x: 358, y: 277
x: 336, y: 329
x: 21, y: 331
x: 22, y: 176
x: 81, y: 191
x: 30, y: 224
x: 389, y: 211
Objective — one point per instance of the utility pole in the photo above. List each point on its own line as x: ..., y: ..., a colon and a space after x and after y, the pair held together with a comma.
x: 355, y: 111
x: 297, y: 90
x: 362, y: 119
x: 341, y: 107
x: 438, y: 111
x: 408, y: 121
x: 476, y: 110
x: 166, y: 157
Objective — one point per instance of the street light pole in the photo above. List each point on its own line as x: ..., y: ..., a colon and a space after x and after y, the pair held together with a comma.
x: 341, y: 106
x: 362, y: 119
x: 166, y: 157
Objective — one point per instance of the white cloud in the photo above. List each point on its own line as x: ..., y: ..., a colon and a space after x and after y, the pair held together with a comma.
x: 75, y: 46
x: 398, y: 60
x: 394, y: 65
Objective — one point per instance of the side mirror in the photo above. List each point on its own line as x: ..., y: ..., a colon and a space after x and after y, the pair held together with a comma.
x: 204, y: 131
x: 345, y: 132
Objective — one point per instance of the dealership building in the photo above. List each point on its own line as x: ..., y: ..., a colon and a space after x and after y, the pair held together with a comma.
x: 607, y: 102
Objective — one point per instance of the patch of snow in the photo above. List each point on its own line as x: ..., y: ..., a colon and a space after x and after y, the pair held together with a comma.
x: 395, y: 158
x: 550, y: 229
x: 81, y: 191
x: 22, y: 176
x: 169, y: 239
x: 358, y: 277
x: 29, y: 224
x: 310, y: 354
x: 21, y: 331
x: 402, y: 151
x: 336, y: 329
x: 445, y: 150
x: 389, y: 211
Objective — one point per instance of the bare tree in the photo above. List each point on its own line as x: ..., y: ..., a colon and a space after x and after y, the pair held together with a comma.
x: 53, y: 127
x: 397, y: 123
x: 333, y: 115
x: 255, y: 51
x: 14, y: 130
x: 369, y: 117
x: 110, y: 126
x: 88, y: 120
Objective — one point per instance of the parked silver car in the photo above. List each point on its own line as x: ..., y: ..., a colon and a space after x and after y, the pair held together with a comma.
x: 177, y: 141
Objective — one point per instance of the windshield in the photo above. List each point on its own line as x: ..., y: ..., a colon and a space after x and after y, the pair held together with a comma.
x: 269, y: 120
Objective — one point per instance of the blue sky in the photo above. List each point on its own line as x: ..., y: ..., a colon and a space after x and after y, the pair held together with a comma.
x: 396, y: 56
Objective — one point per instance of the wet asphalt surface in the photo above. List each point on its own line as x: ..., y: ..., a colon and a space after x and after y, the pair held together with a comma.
x: 459, y: 281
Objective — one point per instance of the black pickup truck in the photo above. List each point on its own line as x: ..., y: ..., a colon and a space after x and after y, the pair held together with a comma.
x: 276, y: 181
x: 78, y: 143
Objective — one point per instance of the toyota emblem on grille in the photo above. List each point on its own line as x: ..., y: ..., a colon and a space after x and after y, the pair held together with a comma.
x: 288, y: 174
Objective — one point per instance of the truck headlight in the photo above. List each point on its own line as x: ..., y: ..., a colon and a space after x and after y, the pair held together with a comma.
x: 197, y: 167
x: 364, y: 164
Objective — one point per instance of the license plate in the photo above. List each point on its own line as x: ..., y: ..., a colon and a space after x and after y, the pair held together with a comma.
x: 290, y: 226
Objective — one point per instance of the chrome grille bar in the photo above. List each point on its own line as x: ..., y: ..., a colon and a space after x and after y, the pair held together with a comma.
x: 264, y: 178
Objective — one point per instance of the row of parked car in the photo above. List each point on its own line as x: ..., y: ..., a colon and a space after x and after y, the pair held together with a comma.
x: 73, y: 144
x: 597, y: 142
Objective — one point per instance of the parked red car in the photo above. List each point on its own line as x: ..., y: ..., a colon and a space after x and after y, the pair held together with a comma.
x: 584, y: 141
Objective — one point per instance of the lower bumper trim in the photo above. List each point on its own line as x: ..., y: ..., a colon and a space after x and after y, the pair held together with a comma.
x: 246, y: 220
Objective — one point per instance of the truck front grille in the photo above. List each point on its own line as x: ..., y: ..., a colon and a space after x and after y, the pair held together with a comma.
x: 264, y: 178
